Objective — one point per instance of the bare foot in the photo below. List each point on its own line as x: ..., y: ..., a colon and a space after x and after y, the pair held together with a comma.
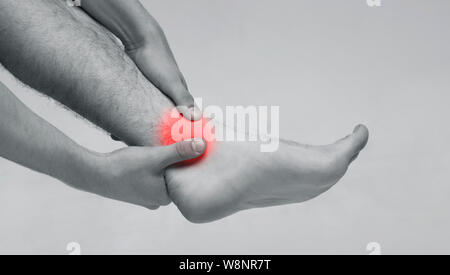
x: 236, y: 176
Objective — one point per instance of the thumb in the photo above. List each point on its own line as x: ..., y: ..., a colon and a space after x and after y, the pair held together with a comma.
x: 181, y: 151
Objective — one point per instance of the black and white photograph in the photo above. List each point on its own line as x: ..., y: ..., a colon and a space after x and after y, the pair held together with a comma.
x: 224, y: 128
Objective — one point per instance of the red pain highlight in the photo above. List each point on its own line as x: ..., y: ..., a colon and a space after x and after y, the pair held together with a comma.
x: 174, y: 128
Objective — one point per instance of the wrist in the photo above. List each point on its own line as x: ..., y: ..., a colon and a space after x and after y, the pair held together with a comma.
x: 83, y: 170
x: 141, y: 37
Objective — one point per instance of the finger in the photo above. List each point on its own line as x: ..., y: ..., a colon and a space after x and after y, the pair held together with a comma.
x: 189, y: 111
x: 177, y: 91
x: 354, y: 143
x: 182, y: 151
x: 159, y: 66
x: 184, y: 100
x: 167, y: 75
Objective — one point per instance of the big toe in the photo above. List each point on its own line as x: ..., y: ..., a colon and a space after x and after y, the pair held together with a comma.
x: 354, y: 143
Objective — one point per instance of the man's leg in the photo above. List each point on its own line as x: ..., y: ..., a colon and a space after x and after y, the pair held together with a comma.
x: 63, y: 53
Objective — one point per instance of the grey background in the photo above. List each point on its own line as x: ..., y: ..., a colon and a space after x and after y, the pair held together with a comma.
x: 329, y: 64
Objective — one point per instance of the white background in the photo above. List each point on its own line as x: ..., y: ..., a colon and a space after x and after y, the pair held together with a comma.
x: 329, y: 65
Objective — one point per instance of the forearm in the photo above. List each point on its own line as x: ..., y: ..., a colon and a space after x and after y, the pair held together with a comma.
x: 128, y: 20
x: 63, y: 53
x: 32, y: 142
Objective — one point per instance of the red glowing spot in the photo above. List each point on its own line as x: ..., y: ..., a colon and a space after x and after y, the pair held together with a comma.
x: 175, y: 128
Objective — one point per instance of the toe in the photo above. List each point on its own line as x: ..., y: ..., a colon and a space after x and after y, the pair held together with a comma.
x: 354, y: 143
